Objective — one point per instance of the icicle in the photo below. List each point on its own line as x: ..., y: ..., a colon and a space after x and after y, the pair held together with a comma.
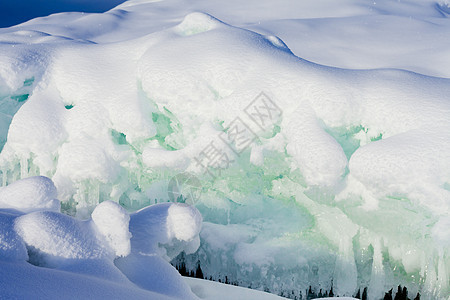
x: 82, y: 205
x: 23, y: 167
x: 15, y: 176
x: 431, y: 278
x: 115, y: 193
x: 442, y: 272
x: 33, y: 170
x: 4, y: 176
x: 377, y: 279
x: 94, y: 194
x: 345, y: 273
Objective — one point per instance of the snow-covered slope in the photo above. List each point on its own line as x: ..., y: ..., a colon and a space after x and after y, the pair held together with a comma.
x: 306, y: 174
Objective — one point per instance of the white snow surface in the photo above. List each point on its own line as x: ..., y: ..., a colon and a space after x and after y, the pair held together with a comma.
x: 30, y: 194
x: 345, y: 182
x: 112, y: 222
x: 210, y: 290
x: 63, y: 251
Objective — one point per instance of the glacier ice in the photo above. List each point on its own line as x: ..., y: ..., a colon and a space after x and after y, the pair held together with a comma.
x: 349, y: 189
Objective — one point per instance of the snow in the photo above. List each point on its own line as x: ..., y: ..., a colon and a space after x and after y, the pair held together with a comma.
x: 11, y: 245
x: 59, y: 236
x: 160, y: 232
x: 343, y: 182
x: 112, y: 221
x: 64, y: 251
x: 30, y: 194
x: 19, y: 11
x: 210, y: 290
x: 22, y: 280
x: 342, y: 298
x: 164, y: 225
x: 404, y: 159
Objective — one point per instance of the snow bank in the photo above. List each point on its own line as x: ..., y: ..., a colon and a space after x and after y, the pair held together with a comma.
x: 115, y: 105
x: 59, y: 236
x: 30, y: 194
x: 64, y: 250
x: 159, y: 232
x: 25, y: 281
x: 210, y: 290
x: 56, y: 237
x: 12, y: 247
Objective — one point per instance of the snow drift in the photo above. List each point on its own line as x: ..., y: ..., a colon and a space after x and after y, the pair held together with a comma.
x: 340, y: 177
x: 60, y: 246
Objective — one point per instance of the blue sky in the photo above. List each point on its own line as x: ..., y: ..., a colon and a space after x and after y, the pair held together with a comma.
x: 13, y: 12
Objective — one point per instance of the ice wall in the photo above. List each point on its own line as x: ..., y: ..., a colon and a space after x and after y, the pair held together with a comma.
x: 322, y: 177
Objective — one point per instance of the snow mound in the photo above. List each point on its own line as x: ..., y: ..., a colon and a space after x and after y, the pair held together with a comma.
x: 54, y: 238
x: 57, y: 237
x: 30, y: 194
x: 159, y: 233
x: 12, y: 247
x: 175, y: 226
x: 416, y: 162
x: 183, y: 222
x: 112, y: 222
x: 196, y: 23
x: 52, y: 246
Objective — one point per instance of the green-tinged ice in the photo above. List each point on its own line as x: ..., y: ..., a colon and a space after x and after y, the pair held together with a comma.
x: 9, y: 105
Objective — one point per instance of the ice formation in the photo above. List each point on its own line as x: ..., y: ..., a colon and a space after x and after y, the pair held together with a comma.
x: 344, y: 179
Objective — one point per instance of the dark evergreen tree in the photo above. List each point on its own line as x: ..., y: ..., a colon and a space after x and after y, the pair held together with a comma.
x: 199, y: 272
x: 388, y: 295
x: 310, y: 294
x: 399, y: 295
x: 405, y: 293
x: 182, y: 269
x: 364, y: 294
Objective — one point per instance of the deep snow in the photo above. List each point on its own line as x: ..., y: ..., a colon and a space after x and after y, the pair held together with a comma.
x: 342, y: 181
